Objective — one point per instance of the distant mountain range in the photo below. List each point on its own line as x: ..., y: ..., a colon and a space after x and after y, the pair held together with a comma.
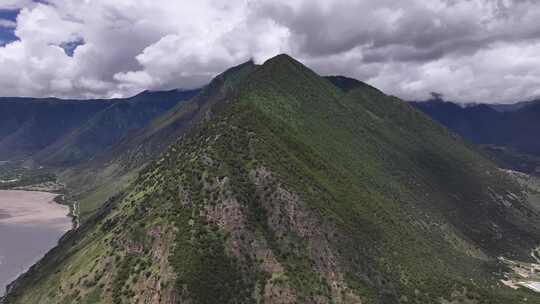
x: 276, y: 185
x: 84, y: 142
x: 510, y: 133
x: 514, y: 106
x: 63, y: 132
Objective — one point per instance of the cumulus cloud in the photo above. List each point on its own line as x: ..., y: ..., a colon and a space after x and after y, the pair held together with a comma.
x: 469, y: 50
x: 7, y: 23
x: 14, y: 4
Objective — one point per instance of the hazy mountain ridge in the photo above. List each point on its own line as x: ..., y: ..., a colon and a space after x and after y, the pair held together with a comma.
x: 30, y: 126
x: 108, y: 127
x: 512, y: 132
x: 291, y: 190
x: 515, y: 106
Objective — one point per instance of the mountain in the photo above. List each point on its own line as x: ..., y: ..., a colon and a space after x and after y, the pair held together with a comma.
x: 347, y: 84
x: 59, y: 132
x: 109, y: 126
x: 476, y: 123
x: 81, y: 141
x: 514, y: 133
x: 93, y: 182
x: 28, y: 125
x: 514, y: 106
x: 291, y: 189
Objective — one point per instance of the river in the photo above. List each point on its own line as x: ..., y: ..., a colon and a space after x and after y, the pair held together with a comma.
x: 31, y: 223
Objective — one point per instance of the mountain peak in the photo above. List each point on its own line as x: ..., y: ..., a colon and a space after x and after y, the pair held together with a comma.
x: 281, y: 59
x: 246, y: 66
x: 347, y: 84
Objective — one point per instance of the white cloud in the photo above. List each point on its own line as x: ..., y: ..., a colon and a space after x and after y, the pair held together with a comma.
x: 15, y: 4
x: 7, y: 23
x: 470, y: 50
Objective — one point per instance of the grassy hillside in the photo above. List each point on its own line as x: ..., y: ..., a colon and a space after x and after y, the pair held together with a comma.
x: 93, y: 182
x: 293, y: 190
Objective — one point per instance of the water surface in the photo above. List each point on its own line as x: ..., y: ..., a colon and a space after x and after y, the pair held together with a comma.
x: 30, y: 225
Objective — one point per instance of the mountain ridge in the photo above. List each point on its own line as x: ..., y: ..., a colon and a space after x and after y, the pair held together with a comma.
x: 290, y: 189
x: 509, y: 136
x: 54, y: 118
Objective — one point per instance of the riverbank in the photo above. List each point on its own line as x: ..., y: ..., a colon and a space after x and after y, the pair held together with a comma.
x: 31, y: 223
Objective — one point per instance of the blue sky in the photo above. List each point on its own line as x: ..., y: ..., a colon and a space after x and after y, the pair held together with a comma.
x: 7, y: 32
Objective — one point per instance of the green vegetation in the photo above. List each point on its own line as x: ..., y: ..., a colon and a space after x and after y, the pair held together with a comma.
x: 509, y: 158
x: 15, y: 175
x: 202, y: 266
x: 287, y: 188
x: 82, y: 144
x: 28, y: 180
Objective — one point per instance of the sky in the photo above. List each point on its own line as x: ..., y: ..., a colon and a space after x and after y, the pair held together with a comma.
x: 466, y: 50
